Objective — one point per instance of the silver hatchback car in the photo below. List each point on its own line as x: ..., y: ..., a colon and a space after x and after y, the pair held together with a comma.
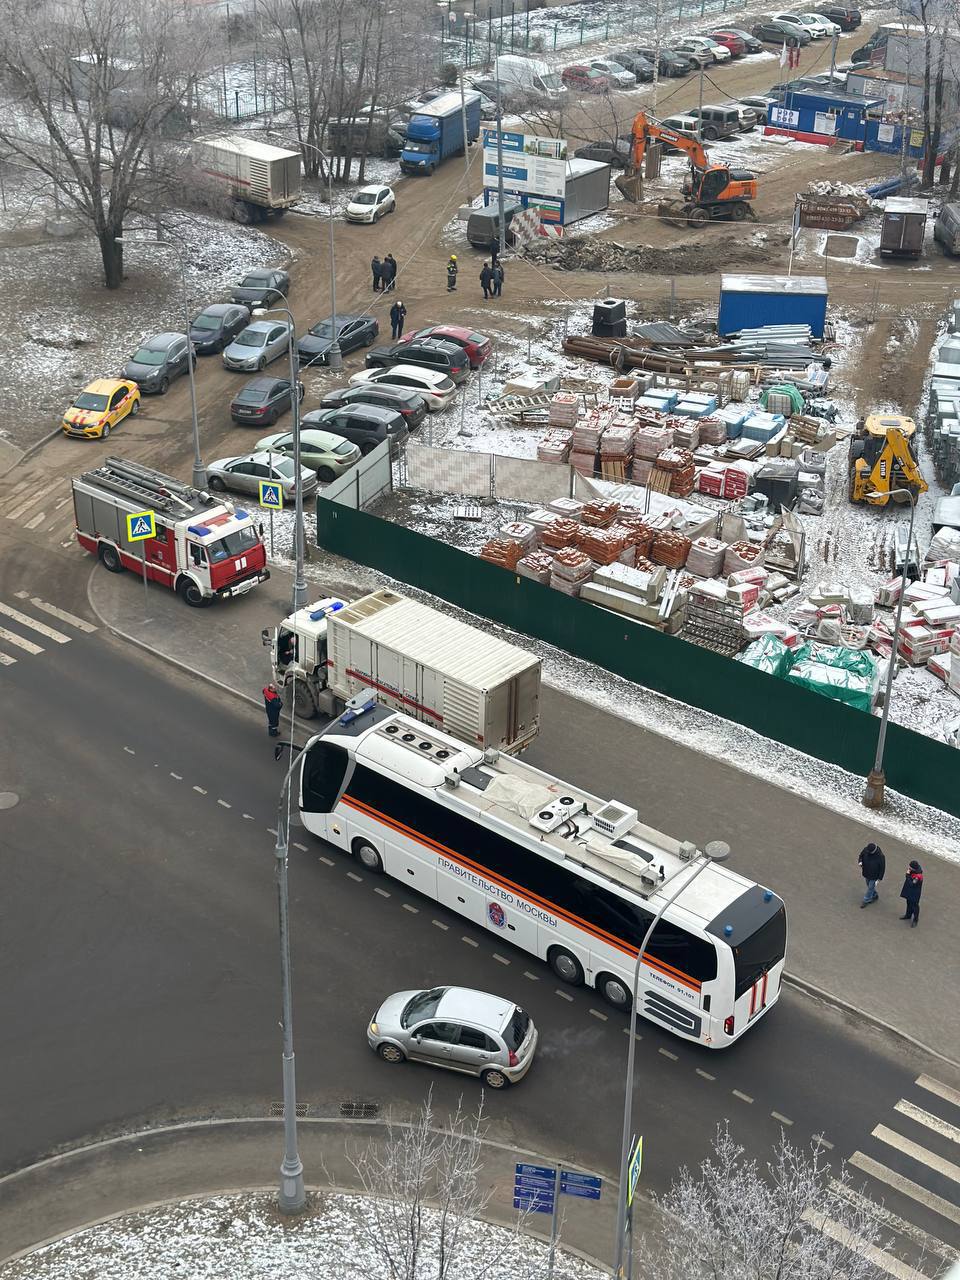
x: 256, y: 345
x: 457, y: 1028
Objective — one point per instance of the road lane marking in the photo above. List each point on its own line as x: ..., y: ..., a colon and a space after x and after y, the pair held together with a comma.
x: 905, y: 1186
x: 384, y: 893
x: 26, y: 645
x: 596, y: 1013
x: 61, y: 614
x: 499, y: 958
x: 302, y: 847
x: 40, y: 627
x: 706, y: 1074
x: 414, y: 911
x: 893, y: 1222
x: 782, y: 1119
x: 933, y: 1122
x: 249, y: 817
x: 352, y: 875
x: 744, y: 1097
x: 327, y: 862
x: 178, y: 776
x: 200, y: 791
x: 224, y: 804
x: 667, y: 1054
x: 7, y: 661
x: 850, y: 1240
x: 941, y: 1090
x: 469, y: 941
x: 130, y: 751
x: 532, y: 976
x: 916, y: 1152
x: 564, y: 995
x: 440, y: 925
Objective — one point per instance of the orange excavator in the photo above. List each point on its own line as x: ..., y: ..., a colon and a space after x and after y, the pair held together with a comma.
x: 710, y: 192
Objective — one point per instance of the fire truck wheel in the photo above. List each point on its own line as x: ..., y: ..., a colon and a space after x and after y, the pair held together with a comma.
x: 190, y: 594
x: 110, y: 559
x: 303, y: 703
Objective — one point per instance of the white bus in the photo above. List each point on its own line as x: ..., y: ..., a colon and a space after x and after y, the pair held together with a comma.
x: 555, y: 871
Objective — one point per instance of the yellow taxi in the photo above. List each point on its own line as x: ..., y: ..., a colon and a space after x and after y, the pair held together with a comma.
x: 100, y: 407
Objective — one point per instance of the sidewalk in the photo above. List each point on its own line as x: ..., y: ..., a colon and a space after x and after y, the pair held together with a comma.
x: 868, y: 961
x: 80, y: 1188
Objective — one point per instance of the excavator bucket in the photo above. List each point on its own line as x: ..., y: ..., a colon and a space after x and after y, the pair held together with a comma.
x: 630, y: 185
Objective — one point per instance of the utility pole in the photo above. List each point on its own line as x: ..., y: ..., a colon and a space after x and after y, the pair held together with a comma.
x: 700, y: 107
x: 500, y: 198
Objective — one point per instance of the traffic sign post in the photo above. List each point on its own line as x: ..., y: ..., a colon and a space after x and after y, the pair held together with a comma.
x: 141, y: 526
x: 271, y: 497
x: 634, y: 1166
x: 537, y: 1189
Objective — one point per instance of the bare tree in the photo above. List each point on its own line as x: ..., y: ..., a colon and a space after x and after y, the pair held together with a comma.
x: 790, y: 1220
x: 425, y: 1189
x: 93, y: 85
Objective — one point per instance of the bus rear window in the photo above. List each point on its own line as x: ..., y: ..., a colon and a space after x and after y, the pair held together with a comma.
x: 760, y: 952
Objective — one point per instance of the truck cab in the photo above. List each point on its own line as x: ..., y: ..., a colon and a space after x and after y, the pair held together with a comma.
x: 298, y: 655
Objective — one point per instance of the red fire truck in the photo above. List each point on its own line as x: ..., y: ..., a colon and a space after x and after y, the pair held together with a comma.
x: 204, y: 547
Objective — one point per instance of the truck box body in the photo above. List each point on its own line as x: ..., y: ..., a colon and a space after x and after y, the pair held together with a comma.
x: 444, y: 672
x: 904, y: 226
x: 530, y: 76
x: 435, y: 131
x: 258, y: 174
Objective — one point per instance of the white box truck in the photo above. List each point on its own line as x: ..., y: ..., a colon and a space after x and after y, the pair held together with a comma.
x: 413, y: 659
x: 261, y: 180
x: 528, y: 76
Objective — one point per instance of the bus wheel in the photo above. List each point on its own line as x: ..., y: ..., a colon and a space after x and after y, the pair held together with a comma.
x: 566, y: 966
x: 614, y: 992
x: 367, y: 856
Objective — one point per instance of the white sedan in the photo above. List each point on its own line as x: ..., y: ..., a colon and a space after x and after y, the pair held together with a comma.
x: 436, y: 388
x: 804, y: 21
x: 826, y: 26
x: 370, y: 204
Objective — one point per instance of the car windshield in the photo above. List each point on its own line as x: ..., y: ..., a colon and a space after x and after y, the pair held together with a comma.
x: 206, y: 322
x: 365, y: 197
x: 233, y: 544
x: 515, y: 1032
x: 87, y: 400
x: 417, y: 146
x: 423, y: 1005
x: 322, y: 330
x: 251, y: 338
x: 344, y: 448
x: 252, y: 282
x: 148, y: 356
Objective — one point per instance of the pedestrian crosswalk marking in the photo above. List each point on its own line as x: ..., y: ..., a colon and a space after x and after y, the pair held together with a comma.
x: 905, y: 1186
x: 56, y: 612
x: 926, y: 1242
x: 25, y: 621
x: 916, y: 1152
x: 850, y: 1240
x: 36, y: 496
x: 6, y: 660
x: 37, y: 520
x: 933, y: 1122
x: 941, y: 1090
x: 12, y: 638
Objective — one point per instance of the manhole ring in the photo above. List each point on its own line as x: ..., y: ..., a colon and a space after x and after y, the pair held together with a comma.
x: 8, y: 799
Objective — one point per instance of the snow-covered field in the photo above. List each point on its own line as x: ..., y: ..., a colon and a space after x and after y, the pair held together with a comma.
x: 243, y: 1237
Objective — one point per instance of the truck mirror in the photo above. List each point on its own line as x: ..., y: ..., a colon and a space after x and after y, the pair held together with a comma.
x: 266, y: 637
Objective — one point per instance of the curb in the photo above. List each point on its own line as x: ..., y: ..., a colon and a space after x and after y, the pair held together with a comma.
x: 277, y: 1122
x: 31, y: 450
x: 799, y: 984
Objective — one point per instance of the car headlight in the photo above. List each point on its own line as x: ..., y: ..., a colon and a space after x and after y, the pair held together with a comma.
x: 374, y: 1029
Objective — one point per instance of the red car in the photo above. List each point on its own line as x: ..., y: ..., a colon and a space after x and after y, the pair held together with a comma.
x: 586, y: 79
x: 730, y: 40
x: 474, y: 344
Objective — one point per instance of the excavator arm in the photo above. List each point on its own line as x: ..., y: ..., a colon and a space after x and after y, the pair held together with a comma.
x: 645, y: 130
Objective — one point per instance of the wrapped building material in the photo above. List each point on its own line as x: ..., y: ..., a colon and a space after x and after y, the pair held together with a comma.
x: 571, y: 568
x: 706, y: 557
x: 769, y: 654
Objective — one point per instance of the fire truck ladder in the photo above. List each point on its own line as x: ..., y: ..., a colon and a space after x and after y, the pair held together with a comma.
x: 143, y: 484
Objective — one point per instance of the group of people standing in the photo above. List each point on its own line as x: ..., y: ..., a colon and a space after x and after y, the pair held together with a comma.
x: 384, y: 273
x: 873, y: 866
x: 491, y: 279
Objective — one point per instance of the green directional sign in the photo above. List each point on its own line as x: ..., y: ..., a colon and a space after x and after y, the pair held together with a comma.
x: 141, y: 526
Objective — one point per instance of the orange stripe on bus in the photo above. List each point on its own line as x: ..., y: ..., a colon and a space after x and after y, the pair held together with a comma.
x: 653, y: 962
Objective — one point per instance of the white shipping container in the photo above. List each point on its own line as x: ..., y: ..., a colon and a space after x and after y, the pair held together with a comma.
x: 254, y: 172
x: 444, y: 672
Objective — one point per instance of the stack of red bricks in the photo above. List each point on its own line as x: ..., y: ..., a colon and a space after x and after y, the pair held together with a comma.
x: 536, y: 565
x: 562, y: 533
x: 736, y: 483
x: 564, y: 410
x: 600, y: 515
x: 740, y: 555
x: 603, y: 546
x: 586, y: 442
x: 642, y: 533
x: 521, y: 532
x: 670, y: 548
x: 683, y: 473
x: 706, y: 557
x: 686, y: 434
x: 570, y: 570
x: 502, y: 552
x: 555, y: 446
x: 616, y: 451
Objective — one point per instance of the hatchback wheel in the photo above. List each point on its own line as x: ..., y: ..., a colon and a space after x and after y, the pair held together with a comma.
x: 494, y: 1079
x: 164, y: 386
x: 390, y: 1053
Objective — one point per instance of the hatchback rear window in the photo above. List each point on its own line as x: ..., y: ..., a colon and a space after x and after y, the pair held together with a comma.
x: 477, y: 339
x: 515, y: 1032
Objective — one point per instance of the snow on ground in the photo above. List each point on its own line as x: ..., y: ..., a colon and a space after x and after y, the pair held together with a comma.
x: 228, y: 1237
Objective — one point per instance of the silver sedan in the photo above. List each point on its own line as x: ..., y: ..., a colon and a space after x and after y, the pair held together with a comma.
x: 245, y: 474
x: 258, y: 344
x: 457, y: 1028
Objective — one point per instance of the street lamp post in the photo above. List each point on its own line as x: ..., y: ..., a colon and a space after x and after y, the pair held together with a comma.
x: 334, y: 355
x: 199, y: 478
x: 873, y: 792
x: 300, y: 581
x: 715, y: 851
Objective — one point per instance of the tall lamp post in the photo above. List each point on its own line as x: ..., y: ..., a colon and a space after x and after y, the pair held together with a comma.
x: 334, y: 355
x: 873, y: 792
x: 300, y: 581
x: 715, y: 851
x: 199, y: 478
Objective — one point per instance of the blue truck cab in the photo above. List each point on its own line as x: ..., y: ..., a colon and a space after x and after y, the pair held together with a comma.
x: 435, y: 131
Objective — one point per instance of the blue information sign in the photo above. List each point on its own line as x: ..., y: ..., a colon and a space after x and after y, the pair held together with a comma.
x: 534, y: 1188
x: 533, y: 1206
x: 580, y: 1184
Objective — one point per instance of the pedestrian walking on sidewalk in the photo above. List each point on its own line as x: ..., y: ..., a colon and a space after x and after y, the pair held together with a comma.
x: 452, y: 273
x: 911, y: 891
x: 273, y: 705
x: 398, y: 313
x: 872, y: 866
x: 486, y: 280
x: 388, y: 272
x: 497, y: 279
x: 376, y: 267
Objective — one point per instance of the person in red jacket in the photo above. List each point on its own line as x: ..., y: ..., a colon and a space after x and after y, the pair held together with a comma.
x: 911, y: 891
x: 273, y: 705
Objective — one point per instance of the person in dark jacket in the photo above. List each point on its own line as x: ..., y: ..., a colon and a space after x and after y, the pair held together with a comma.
x: 388, y: 272
x: 498, y: 274
x: 376, y: 266
x: 872, y: 866
x: 486, y: 280
x: 911, y: 891
x: 398, y: 314
x: 273, y: 705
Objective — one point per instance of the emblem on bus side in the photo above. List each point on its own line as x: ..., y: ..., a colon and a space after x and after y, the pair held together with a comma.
x: 496, y: 914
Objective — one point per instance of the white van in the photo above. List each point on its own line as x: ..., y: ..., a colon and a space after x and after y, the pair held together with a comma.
x: 946, y: 229
x: 529, y: 75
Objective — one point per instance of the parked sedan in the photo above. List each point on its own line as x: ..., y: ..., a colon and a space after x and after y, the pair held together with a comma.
x: 616, y: 154
x: 369, y: 204
x: 826, y: 25
x: 454, y: 1027
x: 702, y: 47
x: 217, y: 326
x: 773, y: 31
x: 437, y: 389
x: 730, y: 40
x: 585, y: 79
x: 444, y: 357
x: 403, y: 400
x: 100, y: 407
x: 641, y: 67
x: 257, y: 345
x: 353, y: 331
x: 262, y: 400
x: 327, y: 454
x: 617, y: 74
x: 671, y: 63
x: 162, y: 358
x: 476, y: 345
x: 244, y: 474
x: 812, y: 28
x: 750, y: 43
x: 365, y: 425
x: 262, y: 288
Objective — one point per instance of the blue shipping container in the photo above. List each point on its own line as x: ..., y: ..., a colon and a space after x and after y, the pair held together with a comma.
x: 747, y: 302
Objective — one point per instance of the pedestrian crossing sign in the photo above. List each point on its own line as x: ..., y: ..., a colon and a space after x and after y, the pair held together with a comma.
x: 271, y: 495
x: 141, y: 525
x: 633, y: 1168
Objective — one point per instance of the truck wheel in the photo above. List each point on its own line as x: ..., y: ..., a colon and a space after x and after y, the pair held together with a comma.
x: 190, y: 594
x: 110, y: 558
x: 242, y: 213
x: 429, y: 170
x: 697, y: 216
x: 566, y: 966
x: 710, y: 134
x: 303, y: 702
x: 738, y: 212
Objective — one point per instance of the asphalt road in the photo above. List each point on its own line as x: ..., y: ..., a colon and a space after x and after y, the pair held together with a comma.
x: 138, y: 948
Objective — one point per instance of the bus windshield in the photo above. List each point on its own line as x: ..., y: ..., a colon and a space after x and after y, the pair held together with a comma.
x: 759, y: 952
